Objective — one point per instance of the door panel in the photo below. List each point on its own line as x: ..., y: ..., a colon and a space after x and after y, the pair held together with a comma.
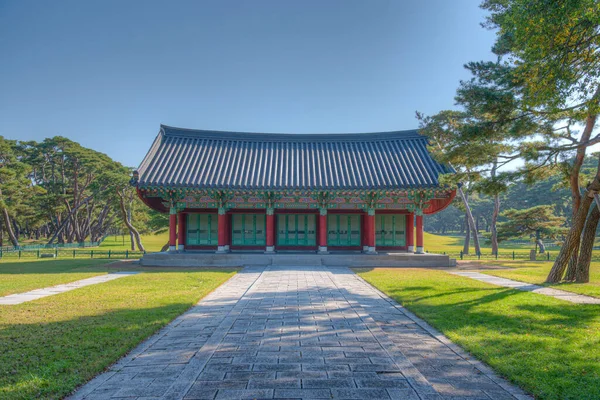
x: 296, y: 230
x: 259, y: 230
x: 311, y: 230
x: 248, y: 229
x: 236, y: 226
x: 343, y: 230
x: 301, y: 229
x: 354, y: 230
x: 202, y: 230
x: 390, y: 230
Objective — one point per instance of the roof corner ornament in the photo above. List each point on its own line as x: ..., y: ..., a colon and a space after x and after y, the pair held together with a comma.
x: 420, y: 200
x: 135, y: 178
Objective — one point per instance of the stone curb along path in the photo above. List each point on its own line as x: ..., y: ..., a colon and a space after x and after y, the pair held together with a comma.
x: 529, y: 287
x: 298, y: 332
x: 19, y: 298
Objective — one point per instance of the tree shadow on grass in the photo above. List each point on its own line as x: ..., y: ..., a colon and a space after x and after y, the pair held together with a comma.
x: 52, y: 266
x: 49, y: 360
x: 547, y: 346
x: 64, y: 266
x: 420, y: 289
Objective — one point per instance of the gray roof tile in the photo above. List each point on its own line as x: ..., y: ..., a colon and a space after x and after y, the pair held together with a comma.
x: 211, y: 159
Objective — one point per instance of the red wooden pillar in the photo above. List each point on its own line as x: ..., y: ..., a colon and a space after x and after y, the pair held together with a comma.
x: 228, y: 227
x: 222, y: 231
x: 370, y: 231
x: 172, y: 229
x: 270, y: 234
x: 322, y: 231
x: 410, y: 232
x: 181, y: 231
x: 419, y: 234
x: 363, y: 233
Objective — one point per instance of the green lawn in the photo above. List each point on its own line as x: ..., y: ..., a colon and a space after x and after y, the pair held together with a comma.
x: 22, y: 276
x: 115, y: 244
x: 537, y: 271
x: 50, y: 346
x: 454, y: 244
x: 549, y: 347
x: 151, y: 242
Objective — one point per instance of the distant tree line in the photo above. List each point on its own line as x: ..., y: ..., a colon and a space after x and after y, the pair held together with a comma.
x: 57, y: 191
x: 552, y: 191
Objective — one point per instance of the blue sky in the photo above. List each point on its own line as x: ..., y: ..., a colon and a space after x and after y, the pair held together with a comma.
x: 107, y: 73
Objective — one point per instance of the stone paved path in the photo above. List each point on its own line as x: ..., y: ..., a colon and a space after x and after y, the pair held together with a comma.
x: 529, y: 287
x: 295, y: 333
x: 19, y: 298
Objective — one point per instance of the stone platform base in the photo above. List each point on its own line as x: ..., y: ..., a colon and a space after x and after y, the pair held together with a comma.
x: 333, y: 259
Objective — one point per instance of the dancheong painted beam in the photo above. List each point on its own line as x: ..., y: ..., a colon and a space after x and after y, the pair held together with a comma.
x: 320, y: 192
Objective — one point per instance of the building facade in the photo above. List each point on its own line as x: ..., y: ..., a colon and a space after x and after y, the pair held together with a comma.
x: 228, y: 191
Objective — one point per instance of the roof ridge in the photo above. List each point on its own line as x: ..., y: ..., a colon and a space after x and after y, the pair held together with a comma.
x: 252, y: 136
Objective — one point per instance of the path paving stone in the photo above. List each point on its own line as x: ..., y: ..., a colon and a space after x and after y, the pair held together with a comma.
x: 529, y: 287
x: 298, y: 332
x: 19, y: 298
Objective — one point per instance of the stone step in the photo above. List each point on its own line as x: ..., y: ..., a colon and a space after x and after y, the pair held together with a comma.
x: 392, y: 260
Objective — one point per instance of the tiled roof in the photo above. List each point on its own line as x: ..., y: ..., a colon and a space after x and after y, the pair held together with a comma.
x: 237, y: 160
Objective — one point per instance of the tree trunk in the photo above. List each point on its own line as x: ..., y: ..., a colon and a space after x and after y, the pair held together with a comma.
x: 467, y: 235
x: 63, y: 225
x: 587, y: 244
x: 131, y: 237
x: 590, y: 122
x: 14, y: 239
x: 574, y: 235
x: 131, y: 228
x: 541, y: 245
x: 571, y: 241
x: 17, y: 229
x: 494, y: 237
x: 572, y: 267
x: 470, y: 220
x: 7, y: 224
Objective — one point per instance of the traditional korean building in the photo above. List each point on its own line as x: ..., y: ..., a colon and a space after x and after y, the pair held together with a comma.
x: 228, y: 191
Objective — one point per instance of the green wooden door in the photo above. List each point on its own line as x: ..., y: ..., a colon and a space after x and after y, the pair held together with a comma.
x: 390, y: 230
x: 202, y: 230
x: 296, y: 230
x: 343, y: 230
x: 248, y: 230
